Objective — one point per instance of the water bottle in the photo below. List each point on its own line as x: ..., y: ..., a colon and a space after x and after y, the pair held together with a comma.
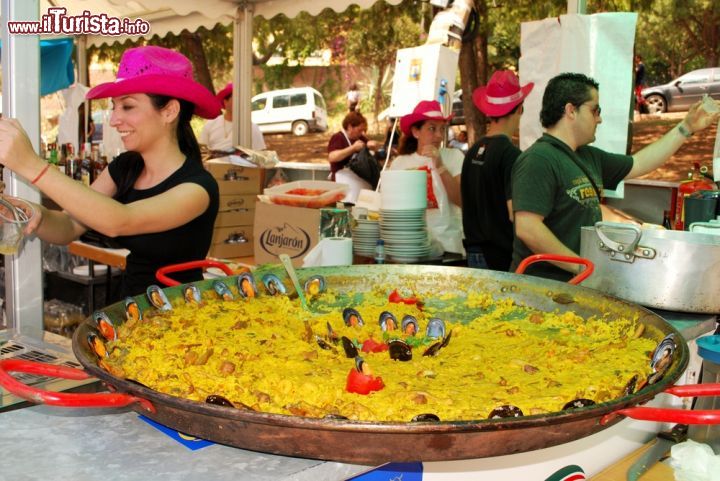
x: 380, y: 252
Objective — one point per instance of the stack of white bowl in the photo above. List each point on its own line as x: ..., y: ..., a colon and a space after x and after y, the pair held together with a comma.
x: 403, y: 195
x: 365, y: 234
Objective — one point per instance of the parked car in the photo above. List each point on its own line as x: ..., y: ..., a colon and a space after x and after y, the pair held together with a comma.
x: 681, y: 93
x: 297, y: 110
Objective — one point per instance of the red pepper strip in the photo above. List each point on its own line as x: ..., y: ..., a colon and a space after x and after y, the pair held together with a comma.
x: 359, y: 383
x: 395, y: 297
x: 51, y: 398
x: 371, y: 345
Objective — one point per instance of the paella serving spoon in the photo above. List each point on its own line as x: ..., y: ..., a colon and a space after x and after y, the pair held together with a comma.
x: 287, y: 264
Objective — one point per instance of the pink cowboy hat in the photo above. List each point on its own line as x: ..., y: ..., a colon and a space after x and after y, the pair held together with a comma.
x: 160, y: 71
x: 424, y: 110
x: 502, y: 94
x: 224, y: 93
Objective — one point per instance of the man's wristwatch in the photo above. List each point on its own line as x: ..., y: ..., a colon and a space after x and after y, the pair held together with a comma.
x: 684, y: 131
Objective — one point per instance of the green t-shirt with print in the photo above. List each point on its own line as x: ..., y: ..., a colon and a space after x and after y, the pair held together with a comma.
x: 547, y: 181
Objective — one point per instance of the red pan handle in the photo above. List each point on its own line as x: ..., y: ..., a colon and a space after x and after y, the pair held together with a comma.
x: 589, y: 266
x: 161, y: 276
x: 682, y: 416
x: 68, y: 400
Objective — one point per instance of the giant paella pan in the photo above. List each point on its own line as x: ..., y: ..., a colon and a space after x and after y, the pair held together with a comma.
x: 444, y: 304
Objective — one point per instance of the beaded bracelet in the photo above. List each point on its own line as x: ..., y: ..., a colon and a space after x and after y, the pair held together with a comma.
x: 42, y: 172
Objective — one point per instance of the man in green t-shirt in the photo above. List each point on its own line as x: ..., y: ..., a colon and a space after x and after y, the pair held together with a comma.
x: 558, y: 181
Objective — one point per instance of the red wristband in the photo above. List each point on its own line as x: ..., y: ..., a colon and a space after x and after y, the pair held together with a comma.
x: 42, y: 172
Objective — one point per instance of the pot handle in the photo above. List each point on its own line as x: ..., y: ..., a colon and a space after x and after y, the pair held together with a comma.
x: 68, y: 400
x: 682, y: 416
x: 589, y: 266
x: 161, y: 276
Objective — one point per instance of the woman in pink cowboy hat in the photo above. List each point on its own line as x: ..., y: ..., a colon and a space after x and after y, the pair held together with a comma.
x: 156, y: 199
x: 423, y: 131
x: 486, y: 192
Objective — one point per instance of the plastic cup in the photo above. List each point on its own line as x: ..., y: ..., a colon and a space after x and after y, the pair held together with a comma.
x: 14, y: 214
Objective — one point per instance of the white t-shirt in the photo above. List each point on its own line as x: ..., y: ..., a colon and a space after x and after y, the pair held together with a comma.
x: 445, y: 228
x: 217, y: 135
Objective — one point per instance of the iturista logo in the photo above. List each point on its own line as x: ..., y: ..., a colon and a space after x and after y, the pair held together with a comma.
x: 286, y: 238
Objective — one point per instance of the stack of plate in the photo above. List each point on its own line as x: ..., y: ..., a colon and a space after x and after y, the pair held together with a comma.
x: 402, y: 215
x: 405, y: 234
x: 365, y: 235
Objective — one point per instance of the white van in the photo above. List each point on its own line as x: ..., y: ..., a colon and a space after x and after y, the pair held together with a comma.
x: 297, y: 110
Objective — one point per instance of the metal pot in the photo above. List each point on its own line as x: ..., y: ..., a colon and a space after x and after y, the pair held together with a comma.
x: 665, y: 269
x: 375, y: 442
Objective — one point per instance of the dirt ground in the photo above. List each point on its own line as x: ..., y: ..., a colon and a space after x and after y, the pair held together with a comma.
x: 699, y: 148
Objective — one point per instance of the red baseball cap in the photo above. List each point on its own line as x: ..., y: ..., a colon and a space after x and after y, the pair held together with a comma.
x: 502, y: 94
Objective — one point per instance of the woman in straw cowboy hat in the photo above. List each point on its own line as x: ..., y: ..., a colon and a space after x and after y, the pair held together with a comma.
x: 156, y: 199
x: 486, y: 190
x: 423, y: 131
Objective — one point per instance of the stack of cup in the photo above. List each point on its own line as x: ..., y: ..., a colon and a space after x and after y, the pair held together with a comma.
x: 403, y: 227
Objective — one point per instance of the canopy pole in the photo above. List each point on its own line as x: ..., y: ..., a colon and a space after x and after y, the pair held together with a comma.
x: 21, y: 100
x: 242, y: 75
x: 577, y: 6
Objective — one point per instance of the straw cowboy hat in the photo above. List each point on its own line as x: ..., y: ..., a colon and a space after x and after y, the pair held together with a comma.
x: 502, y: 94
x: 424, y: 110
x: 159, y: 71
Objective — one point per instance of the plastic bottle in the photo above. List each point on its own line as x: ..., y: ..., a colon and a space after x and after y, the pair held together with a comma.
x: 380, y: 252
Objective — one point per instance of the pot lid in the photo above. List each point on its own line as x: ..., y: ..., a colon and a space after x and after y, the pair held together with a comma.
x: 709, y: 348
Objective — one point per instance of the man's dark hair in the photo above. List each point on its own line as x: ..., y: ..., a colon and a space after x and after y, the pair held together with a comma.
x: 515, y: 109
x: 562, y: 89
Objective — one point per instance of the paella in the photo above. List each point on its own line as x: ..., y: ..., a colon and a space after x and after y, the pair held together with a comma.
x: 384, y: 356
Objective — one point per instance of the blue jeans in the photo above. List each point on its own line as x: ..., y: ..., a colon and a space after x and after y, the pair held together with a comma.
x: 476, y: 260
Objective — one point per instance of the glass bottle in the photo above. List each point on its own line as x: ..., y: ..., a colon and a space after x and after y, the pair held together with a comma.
x: 380, y: 252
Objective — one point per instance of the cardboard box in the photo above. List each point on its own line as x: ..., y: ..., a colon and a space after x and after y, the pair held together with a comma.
x: 231, y: 251
x: 233, y: 202
x: 223, y: 234
x: 281, y: 229
x: 235, y: 179
x: 243, y: 217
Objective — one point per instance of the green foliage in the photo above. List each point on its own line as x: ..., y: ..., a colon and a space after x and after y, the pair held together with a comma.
x: 279, y: 76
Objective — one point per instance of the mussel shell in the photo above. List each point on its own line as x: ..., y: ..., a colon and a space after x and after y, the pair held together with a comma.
x: 105, y: 325
x: 425, y: 418
x: 409, y: 322
x: 663, y: 355
x: 218, y: 400
x: 399, y: 350
x: 631, y: 385
x: 314, y: 285
x: 273, y: 285
x: 323, y: 344
x: 331, y: 334
x: 97, y: 345
x: 158, y: 298
x: 359, y: 363
x: 191, y: 294
x: 132, y: 310
x: 246, y: 285
x: 435, y: 329
x: 223, y: 290
x: 578, y: 403
x: 352, y: 317
x: 505, y: 411
x: 350, y: 348
x: 435, y: 348
x: 388, y: 322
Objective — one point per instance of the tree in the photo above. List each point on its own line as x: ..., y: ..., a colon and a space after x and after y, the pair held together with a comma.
x: 377, y: 35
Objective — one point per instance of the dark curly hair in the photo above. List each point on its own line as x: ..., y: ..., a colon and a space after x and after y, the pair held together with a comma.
x: 562, y: 89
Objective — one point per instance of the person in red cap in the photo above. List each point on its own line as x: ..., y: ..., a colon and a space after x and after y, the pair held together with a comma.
x: 423, y: 131
x: 217, y: 133
x: 485, y: 179
x: 557, y: 182
x: 156, y: 199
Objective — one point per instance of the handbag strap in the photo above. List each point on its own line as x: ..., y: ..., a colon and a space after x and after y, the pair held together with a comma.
x: 573, y: 156
x: 346, y: 137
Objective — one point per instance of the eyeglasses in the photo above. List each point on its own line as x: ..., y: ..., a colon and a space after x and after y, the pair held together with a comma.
x: 595, y: 110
